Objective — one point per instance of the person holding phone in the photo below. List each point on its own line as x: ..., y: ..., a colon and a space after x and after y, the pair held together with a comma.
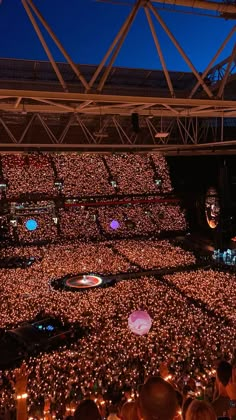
x: 221, y: 399
x: 231, y: 391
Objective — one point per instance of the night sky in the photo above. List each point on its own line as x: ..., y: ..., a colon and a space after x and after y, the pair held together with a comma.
x: 86, y: 28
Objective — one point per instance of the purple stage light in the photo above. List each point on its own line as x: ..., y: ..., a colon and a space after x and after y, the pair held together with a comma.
x: 114, y: 224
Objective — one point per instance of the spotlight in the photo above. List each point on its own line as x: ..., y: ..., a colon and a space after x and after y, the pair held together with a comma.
x: 161, y: 135
x: 101, y: 135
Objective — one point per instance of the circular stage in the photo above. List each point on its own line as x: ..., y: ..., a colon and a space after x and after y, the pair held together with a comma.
x: 85, y: 281
x: 81, y: 282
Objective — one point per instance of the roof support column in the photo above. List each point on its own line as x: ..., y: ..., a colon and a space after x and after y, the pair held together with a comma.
x: 58, y: 44
x: 213, y: 60
x: 118, y: 41
x: 158, y: 47
x: 10, y: 134
x: 181, y: 51
x: 44, y: 44
x: 227, y: 71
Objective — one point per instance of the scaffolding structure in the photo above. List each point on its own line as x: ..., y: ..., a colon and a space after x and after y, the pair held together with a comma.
x: 51, y: 105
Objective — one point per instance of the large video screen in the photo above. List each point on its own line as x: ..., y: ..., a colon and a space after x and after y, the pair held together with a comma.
x: 227, y: 257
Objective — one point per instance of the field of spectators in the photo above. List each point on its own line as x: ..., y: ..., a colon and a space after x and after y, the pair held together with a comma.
x: 133, y: 173
x: 58, y: 176
x: 84, y: 174
x: 154, y: 254
x: 46, y: 229
x: 27, y: 174
x: 167, y: 217
x: 133, y: 220
x: 111, y: 358
x: 109, y: 363
x: 86, y: 223
x: 140, y: 219
x: 78, y: 223
x: 217, y: 290
x: 53, y: 178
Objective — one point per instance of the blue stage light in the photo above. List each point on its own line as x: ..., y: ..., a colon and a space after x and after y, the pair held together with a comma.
x: 31, y: 224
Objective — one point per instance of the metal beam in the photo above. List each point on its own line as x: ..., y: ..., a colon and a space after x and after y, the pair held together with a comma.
x: 112, y: 46
x: 28, y: 125
x: 47, y: 129
x: 112, y: 99
x: 171, y: 109
x: 56, y: 104
x: 89, y: 136
x: 227, y: 72
x: 59, y: 45
x: 159, y: 51
x: 66, y: 129
x: 119, y: 45
x: 129, y: 107
x: 159, y: 112
x: 8, y: 131
x: 226, y: 147
x: 17, y: 103
x: 206, y: 72
x: 202, y: 4
x: 218, y: 66
x: 188, y: 135
x: 181, y: 51
x: 83, y: 105
x: 121, y: 132
x: 44, y: 44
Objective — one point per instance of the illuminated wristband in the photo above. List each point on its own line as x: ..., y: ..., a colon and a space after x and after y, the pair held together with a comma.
x: 232, y: 403
x: 21, y: 396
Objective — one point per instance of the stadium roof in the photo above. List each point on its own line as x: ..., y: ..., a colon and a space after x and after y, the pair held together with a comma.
x: 39, y: 75
x: 69, y: 104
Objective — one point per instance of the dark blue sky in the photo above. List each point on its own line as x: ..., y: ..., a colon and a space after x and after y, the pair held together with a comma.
x: 87, y: 28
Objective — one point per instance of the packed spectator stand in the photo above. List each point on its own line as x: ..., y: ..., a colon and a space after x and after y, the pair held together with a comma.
x: 88, y: 192
x: 74, y: 198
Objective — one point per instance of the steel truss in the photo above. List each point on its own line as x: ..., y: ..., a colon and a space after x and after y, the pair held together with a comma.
x: 217, y: 73
x: 38, y: 129
x: 94, y: 112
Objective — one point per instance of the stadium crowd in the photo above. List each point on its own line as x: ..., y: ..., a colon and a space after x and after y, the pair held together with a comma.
x: 111, y: 361
x: 154, y: 254
x: 146, y: 219
x: 182, y: 335
x: 84, y: 174
x: 79, y: 223
x: 46, y: 229
x: 132, y: 173
x: 131, y: 220
x: 45, y: 176
x: 96, y: 223
x: 217, y: 290
x: 27, y: 174
x: 110, y: 372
